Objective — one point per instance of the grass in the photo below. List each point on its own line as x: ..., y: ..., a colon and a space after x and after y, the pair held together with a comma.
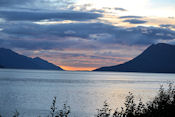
x: 163, y: 105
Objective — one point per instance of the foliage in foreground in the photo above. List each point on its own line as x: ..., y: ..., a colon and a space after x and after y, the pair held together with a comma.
x: 54, y: 112
x: 61, y: 113
x: 163, y: 105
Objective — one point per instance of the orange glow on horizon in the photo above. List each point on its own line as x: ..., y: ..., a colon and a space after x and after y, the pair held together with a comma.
x: 68, y: 68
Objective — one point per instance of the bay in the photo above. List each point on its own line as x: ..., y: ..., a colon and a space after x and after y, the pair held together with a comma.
x: 31, y: 91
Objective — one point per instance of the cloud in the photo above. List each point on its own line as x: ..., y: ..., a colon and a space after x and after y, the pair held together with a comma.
x: 79, y: 59
x: 120, y: 9
x: 30, y: 3
x: 97, y: 10
x: 130, y: 16
x: 12, y: 2
x: 78, y: 36
x: 81, y: 44
x: 135, y: 21
x: 171, y: 17
x: 37, y: 16
x: 167, y: 25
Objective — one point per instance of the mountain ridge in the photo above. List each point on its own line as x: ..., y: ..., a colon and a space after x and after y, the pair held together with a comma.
x: 157, y: 58
x: 45, y: 64
x: 11, y: 59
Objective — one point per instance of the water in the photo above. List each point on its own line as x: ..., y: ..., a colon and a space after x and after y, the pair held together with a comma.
x: 31, y: 91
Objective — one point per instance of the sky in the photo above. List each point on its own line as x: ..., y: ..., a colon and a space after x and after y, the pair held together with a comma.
x: 85, y: 34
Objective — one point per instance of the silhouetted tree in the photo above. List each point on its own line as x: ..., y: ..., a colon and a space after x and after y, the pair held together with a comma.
x: 61, y: 113
x: 163, y: 105
x: 16, y: 114
x: 105, y: 111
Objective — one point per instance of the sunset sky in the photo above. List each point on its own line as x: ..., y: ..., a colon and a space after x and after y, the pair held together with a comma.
x: 85, y: 34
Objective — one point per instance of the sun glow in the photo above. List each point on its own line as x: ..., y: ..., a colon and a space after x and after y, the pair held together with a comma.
x: 68, y: 68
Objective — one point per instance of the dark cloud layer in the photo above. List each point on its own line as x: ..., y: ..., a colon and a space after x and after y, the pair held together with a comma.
x: 120, y: 9
x: 37, y: 16
x: 10, y: 3
x: 78, y: 35
x: 167, y: 26
x: 135, y: 21
x: 130, y: 16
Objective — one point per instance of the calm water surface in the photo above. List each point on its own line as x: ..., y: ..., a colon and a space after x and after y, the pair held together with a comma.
x: 31, y: 91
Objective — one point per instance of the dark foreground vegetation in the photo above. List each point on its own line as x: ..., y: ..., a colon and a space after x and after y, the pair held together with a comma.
x: 163, y: 105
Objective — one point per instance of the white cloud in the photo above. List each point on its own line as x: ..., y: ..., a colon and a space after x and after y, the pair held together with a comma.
x: 134, y: 7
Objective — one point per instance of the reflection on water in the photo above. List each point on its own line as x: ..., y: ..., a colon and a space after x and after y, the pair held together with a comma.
x: 31, y: 91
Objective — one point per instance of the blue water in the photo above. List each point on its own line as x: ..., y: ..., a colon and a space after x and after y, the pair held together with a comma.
x: 31, y: 91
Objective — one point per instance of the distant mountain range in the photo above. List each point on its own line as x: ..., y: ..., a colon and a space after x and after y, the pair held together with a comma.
x: 11, y: 59
x: 158, y: 58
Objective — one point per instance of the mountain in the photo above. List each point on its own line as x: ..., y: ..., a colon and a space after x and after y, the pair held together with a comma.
x: 11, y: 59
x: 158, y: 58
x: 45, y: 64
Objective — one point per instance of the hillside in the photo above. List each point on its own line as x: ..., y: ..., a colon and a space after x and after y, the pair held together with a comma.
x: 11, y: 59
x: 158, y: 58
